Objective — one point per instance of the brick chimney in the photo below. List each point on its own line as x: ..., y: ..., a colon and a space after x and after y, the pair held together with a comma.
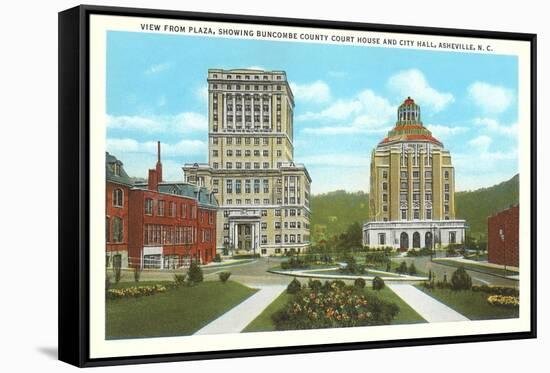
x: 159, y: 164
x: 155, y: 175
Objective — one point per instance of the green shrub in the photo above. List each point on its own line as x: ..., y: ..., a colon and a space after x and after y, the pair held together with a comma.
x: 217, y: 258
x: 224, y: 276
x: 376, y: 258
x: 402, y: 269
x: 294, y: 287
x: 412, y: 269
x: 461, y: 280
x: 377, y: 283
x: 179, y: 279
x: 194, y: 275
x: 118, y: 273
x: 246, y: 256
x: 315, y: 285
x: 137, y: 274
x: 359, y: 283
x: 497, y: 290
x: 294, y: 263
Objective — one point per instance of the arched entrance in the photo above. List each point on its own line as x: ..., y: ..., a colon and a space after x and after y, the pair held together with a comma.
x: 428, y: 240
x: 416, y: 240
x: 403, y: 241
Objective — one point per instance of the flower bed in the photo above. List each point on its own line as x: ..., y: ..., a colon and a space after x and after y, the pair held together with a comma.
x: 333, y: 305
x: 135, y: 291
x: 503, y: 300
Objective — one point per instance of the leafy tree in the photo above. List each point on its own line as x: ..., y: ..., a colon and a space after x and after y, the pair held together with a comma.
x: 461, y: 280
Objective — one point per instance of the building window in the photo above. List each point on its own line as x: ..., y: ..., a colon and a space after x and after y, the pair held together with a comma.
x: 229, y: 186
x: 277, y: 225
x: 385, y: 174
x: 385, y: 208
x: 238, y: 186
x: 117, y: 229
x: 446, y: 188
x: 403, y: 174
x: 278, y: 212
x: 452, y: 237
x: 160, y: 210
x: 429, y: 214
x: 403, y: 214
x: 385, y: 197
x: 264, y: 212
x: 416, y: 174
x: 118, y: 197
x: 264, y: 241
x: 381, y: 238
x: 416, y: 214
x: 277, y: 240
x: 384, y: 186
x: 428, y: 174
x: 148, y: 206
x: 172, y: 210
x: 446, y: 175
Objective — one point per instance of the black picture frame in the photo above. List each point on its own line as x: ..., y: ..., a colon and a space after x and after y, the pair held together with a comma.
x: 74, y: 190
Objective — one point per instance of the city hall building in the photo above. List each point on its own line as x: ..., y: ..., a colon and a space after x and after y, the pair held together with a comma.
x: 412, y: 183
x: 263, y: 194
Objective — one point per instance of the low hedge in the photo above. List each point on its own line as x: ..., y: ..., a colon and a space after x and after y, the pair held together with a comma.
x: 497, y: 290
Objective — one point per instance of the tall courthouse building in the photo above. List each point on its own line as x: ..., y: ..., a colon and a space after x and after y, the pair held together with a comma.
x: 263, y: 194
x: 412, y: 183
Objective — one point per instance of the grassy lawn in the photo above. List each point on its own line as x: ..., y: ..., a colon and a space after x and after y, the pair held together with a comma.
x: 264, y: 323
x: 476, y: 267
x: 180, y: 311
x: 472, y: 304
x: 406, y: 314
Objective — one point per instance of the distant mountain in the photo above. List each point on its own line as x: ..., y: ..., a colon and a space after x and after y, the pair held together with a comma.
x: 334, y: 212
x: 476, y: 206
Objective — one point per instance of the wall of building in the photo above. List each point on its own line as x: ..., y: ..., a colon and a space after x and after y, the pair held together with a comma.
x: 111, y: 211
x: 503, y: 237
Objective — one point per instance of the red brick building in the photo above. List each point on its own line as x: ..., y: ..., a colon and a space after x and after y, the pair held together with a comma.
x: 118, y: 187
x: 166, y: 225
x: 503, y: 237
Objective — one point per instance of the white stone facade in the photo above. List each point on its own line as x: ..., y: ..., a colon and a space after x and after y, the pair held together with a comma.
x: 415, y: 234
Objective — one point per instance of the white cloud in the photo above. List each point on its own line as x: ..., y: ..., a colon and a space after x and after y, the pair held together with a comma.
x: 494, y: 126
x: 413, y: 83
x: 341, y: 160
x: 481, y: 143
x: 317, y: 91
x: 120, y: 146
x: 157, y: 68
x: 202, y: 93
x: 180, y: 123
x: 490, y: 98
x: 441, y: 131
x: 366, y: 112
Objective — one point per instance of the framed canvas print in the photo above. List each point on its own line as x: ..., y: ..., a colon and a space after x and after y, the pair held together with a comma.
x: 233, y: 186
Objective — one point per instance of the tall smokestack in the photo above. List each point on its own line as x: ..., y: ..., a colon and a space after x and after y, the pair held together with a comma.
x: 159, y: 164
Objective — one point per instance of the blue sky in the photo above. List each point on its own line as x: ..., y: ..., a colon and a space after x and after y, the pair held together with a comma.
x: 346, y: 100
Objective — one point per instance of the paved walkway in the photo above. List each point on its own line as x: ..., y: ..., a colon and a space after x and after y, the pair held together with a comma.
x: 426, y: 306
x: 237, y: 318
